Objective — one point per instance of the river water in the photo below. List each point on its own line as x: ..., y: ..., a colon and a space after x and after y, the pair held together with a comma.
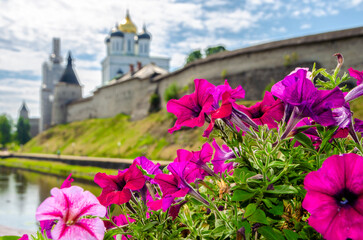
x: 21, y: 192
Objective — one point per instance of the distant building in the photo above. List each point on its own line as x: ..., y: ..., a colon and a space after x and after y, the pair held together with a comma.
x: 33, y: 122
x: 125, y: 47
x: 52, y: 70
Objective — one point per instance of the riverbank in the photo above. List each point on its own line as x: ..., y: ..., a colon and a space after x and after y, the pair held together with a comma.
x: 7, y: 231
x: 56, y: 168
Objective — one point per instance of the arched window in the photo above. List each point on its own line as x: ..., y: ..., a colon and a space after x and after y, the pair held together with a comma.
x: 140, y: 50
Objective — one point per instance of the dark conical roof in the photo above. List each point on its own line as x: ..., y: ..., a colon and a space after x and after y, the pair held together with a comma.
x: 24, y: 107
x: 69, y: 76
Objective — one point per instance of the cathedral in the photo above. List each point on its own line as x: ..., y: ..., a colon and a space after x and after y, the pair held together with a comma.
x: 125, y: 48
x: 127, y: 52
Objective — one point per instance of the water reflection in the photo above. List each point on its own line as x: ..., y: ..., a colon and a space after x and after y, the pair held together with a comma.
x: 21, y: 192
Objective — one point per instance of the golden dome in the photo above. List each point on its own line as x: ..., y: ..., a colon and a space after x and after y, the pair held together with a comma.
x: 127, y: 25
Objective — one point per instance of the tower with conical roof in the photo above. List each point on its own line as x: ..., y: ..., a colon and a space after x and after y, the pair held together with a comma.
x: 125, y: 47
x: 66, y: 90
x: 51, y: 72
x: 24, y: 112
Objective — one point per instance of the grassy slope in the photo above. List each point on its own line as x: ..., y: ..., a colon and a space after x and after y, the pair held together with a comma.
x: 99, y: 137
x: 148, y: 137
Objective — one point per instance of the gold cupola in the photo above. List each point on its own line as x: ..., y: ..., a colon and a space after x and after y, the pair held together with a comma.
x: 126, y: 25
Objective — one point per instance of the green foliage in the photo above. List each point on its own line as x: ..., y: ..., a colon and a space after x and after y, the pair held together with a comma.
x: 269, y: 86
x: 290, y: 59
x: 154, y: 103
x: 100, y: 137
x: 193, y: 56
x: 5, y: 130
x: 213, y: 50
x: 57, y: 168
x: 23, y: 130
x: 173, y: 91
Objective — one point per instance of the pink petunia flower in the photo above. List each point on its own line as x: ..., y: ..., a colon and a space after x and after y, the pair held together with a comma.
x: 196, y: 166
x: 116, y: 189
x: 334, y: 197
x: 47, y: 225
x: 357, y: 75
x: 24, y: 237
x: 190, y: 110
x: 268, y: 112
x: 220, y: 156
x: 70, y: 206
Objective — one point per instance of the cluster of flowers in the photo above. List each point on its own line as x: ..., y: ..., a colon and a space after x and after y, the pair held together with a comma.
x: 334, y: 197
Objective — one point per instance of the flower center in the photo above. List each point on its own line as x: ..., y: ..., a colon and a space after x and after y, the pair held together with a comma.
x: 346, y: 198
x: 69, y: 222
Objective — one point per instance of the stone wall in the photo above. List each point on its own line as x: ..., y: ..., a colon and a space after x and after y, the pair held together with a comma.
x: 253, y: 68
x: 256, y: 66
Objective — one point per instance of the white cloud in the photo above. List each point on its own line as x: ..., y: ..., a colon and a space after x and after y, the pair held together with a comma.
x: 305, y: 26
x: 27, y: 27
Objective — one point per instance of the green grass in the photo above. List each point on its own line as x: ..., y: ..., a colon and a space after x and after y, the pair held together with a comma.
x: 100, y: 137
x: 60, y: 169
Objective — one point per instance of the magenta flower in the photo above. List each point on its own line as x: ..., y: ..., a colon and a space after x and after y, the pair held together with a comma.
x: 116, y: 189
x: 47, y: 225
x: 268, y: 112
x: 196, y: 166
x: 220, y: 156
x: 190, y: 109
x: 334, y: 197
x: 149, y: 167
x: 70, y: 207
x: 299, y: 92
x: 229, y: 112
x: 175, y: 185
x: 24, y: 237
x: 357, y: 75
x: 358, y: 125
x: 68, y: 182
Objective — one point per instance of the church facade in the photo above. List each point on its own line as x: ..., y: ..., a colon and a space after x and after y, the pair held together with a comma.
x: 126, y: 47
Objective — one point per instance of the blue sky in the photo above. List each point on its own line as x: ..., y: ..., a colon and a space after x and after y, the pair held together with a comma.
x: 177, y: 28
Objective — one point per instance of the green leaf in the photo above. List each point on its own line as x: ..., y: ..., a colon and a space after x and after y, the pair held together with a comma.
x: 9, y: 238
x: 149, y: 225
x: 283, y: 189
x: 326, y: 137
x: 270, y: 234
x: 304, y: 140
x: 240, y: 195
x: 277, y: 210
x: 291, y: 235
x: 258, y: 217
x: 250, y: 209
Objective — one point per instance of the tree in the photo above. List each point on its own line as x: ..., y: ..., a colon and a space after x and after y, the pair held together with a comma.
x: 23, y: 130
x: 212, y: 50
x: 5, y: 130
x: 194, y: 56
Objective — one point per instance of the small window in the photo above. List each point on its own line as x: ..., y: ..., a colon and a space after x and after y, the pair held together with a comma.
x: 129, y: 45
x: 140, y: 48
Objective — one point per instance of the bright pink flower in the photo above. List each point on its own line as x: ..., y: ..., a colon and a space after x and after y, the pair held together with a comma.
x: 220, y: 156
x: 149, y: 167
x: 229, y: 112
x: 68, y: 182
x: 116, y: 189
x: 357, y: 75
x: 24, y: 237
x: 268, y: 112
x: 358, y: 125
x: 70, y: 206
x: 334, y: 197
x: 190, y: 110
x: 196, y: 166
x: 47, y: 225
x: 122, y: 220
